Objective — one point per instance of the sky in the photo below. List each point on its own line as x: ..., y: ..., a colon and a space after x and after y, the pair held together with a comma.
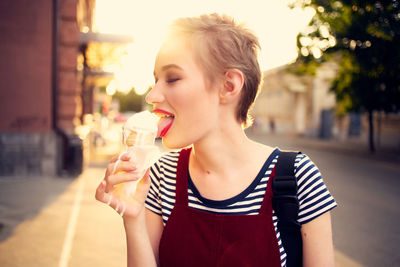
x: 272, y: 21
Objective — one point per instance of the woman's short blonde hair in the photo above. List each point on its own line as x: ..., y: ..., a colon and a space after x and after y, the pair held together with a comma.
x: 221, y: 44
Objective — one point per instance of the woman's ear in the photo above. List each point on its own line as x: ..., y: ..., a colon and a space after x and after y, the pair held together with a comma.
x: 232, y: 86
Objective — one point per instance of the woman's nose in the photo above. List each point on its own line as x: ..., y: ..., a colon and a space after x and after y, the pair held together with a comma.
x: 154, y: 96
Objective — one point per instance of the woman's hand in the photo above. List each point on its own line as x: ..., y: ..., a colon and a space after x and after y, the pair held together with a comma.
x: 121, y: 171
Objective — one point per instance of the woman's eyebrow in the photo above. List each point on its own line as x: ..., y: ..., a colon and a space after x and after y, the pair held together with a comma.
x: 170, y: 66
x: 167, y: 67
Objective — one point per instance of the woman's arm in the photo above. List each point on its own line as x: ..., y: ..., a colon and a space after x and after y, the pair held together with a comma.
x: 132, y: 209
x: 139, y: 247
x: 143, y: 238
x: 317, y: 242
x: 155, y: 228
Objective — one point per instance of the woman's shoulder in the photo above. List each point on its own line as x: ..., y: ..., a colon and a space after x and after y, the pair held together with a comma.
x: 313, y: 194
x: 167, y: 162
x: 304, y: 167
x: 170, y: 156
x: 302, y: 163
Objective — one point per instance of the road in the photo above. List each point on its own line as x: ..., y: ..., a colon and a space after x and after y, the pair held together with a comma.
x: 57, y: 222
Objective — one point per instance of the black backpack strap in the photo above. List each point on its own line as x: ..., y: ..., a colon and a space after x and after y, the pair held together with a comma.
x: 286, y: 207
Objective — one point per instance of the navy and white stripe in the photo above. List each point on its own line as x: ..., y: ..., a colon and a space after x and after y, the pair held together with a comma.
x: 314, y: 197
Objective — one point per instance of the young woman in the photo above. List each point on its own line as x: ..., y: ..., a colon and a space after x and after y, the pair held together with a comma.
x: 209, y: 203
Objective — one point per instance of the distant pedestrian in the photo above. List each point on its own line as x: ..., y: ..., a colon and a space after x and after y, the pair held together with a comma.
x: 209, y: 203
x: 272, y: 125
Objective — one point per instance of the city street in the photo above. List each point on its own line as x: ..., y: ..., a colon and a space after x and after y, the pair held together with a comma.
x: 320, y: 77
x: 57, y: 222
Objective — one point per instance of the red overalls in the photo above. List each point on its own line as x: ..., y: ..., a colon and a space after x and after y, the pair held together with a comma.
x: 197, y: 238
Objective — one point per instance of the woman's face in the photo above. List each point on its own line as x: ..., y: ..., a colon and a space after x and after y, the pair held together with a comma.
x: 180, y: 96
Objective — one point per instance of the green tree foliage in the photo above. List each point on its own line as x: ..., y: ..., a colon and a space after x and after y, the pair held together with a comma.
x: 129, y: 101
x: 364, y: 36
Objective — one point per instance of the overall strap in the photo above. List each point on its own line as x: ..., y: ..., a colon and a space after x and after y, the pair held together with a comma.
x: 284, y: 186
x: 286, y: 207
x: 181, y: 187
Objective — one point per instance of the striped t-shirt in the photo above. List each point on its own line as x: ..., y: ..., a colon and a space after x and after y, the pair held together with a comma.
x: 314, y: 197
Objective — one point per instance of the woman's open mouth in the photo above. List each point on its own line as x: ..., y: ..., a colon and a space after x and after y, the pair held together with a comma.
x: 165, y: 122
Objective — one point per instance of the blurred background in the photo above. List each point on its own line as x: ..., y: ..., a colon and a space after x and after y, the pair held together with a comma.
x: 73, y: 71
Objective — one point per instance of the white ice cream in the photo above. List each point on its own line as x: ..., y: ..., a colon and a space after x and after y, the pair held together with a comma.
x: 144, y: 120
x: 144, y: 124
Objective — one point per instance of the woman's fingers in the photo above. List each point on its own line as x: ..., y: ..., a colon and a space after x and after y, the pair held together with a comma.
x: 104, y: 192
x: 114, y: 202
x: 100, y: 192
x: 116, y: 160
x: 123, y: 156
x: 120, y: 166
x: 115, y: 179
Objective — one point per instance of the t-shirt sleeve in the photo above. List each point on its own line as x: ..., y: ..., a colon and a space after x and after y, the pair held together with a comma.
x: 314, y: 197
x: 153, y: 200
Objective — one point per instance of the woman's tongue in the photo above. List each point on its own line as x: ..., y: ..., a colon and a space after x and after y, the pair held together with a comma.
x: 163, y: 126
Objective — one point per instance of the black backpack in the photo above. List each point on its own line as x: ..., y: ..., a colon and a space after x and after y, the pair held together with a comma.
x: 286, y: 207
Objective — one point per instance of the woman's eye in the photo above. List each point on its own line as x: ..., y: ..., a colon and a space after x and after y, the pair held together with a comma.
x: 172, y: 80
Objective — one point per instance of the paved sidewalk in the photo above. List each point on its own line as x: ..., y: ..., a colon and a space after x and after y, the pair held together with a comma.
x: 71, y: 230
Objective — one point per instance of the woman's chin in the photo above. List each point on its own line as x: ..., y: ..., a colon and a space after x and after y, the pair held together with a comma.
x: 171, y: 144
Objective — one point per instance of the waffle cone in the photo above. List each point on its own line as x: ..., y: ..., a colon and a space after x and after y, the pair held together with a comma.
x: 140, y: 139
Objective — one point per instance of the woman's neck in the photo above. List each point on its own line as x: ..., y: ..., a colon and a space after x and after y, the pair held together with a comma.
x: 222, y: 150
x: 226, y: 159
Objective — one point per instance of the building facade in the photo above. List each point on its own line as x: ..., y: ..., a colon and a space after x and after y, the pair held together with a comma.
x: 290, y: 103
x: 304, y: 105
x: 39, y: 91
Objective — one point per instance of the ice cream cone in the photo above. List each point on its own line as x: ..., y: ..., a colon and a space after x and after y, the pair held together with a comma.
x: 140, y: 138
x: 139, y: 135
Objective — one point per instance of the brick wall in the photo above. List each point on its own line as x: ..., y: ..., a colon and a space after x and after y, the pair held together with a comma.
x: 68, y: 90
x: 25, y: 69
x: 28, y: 143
